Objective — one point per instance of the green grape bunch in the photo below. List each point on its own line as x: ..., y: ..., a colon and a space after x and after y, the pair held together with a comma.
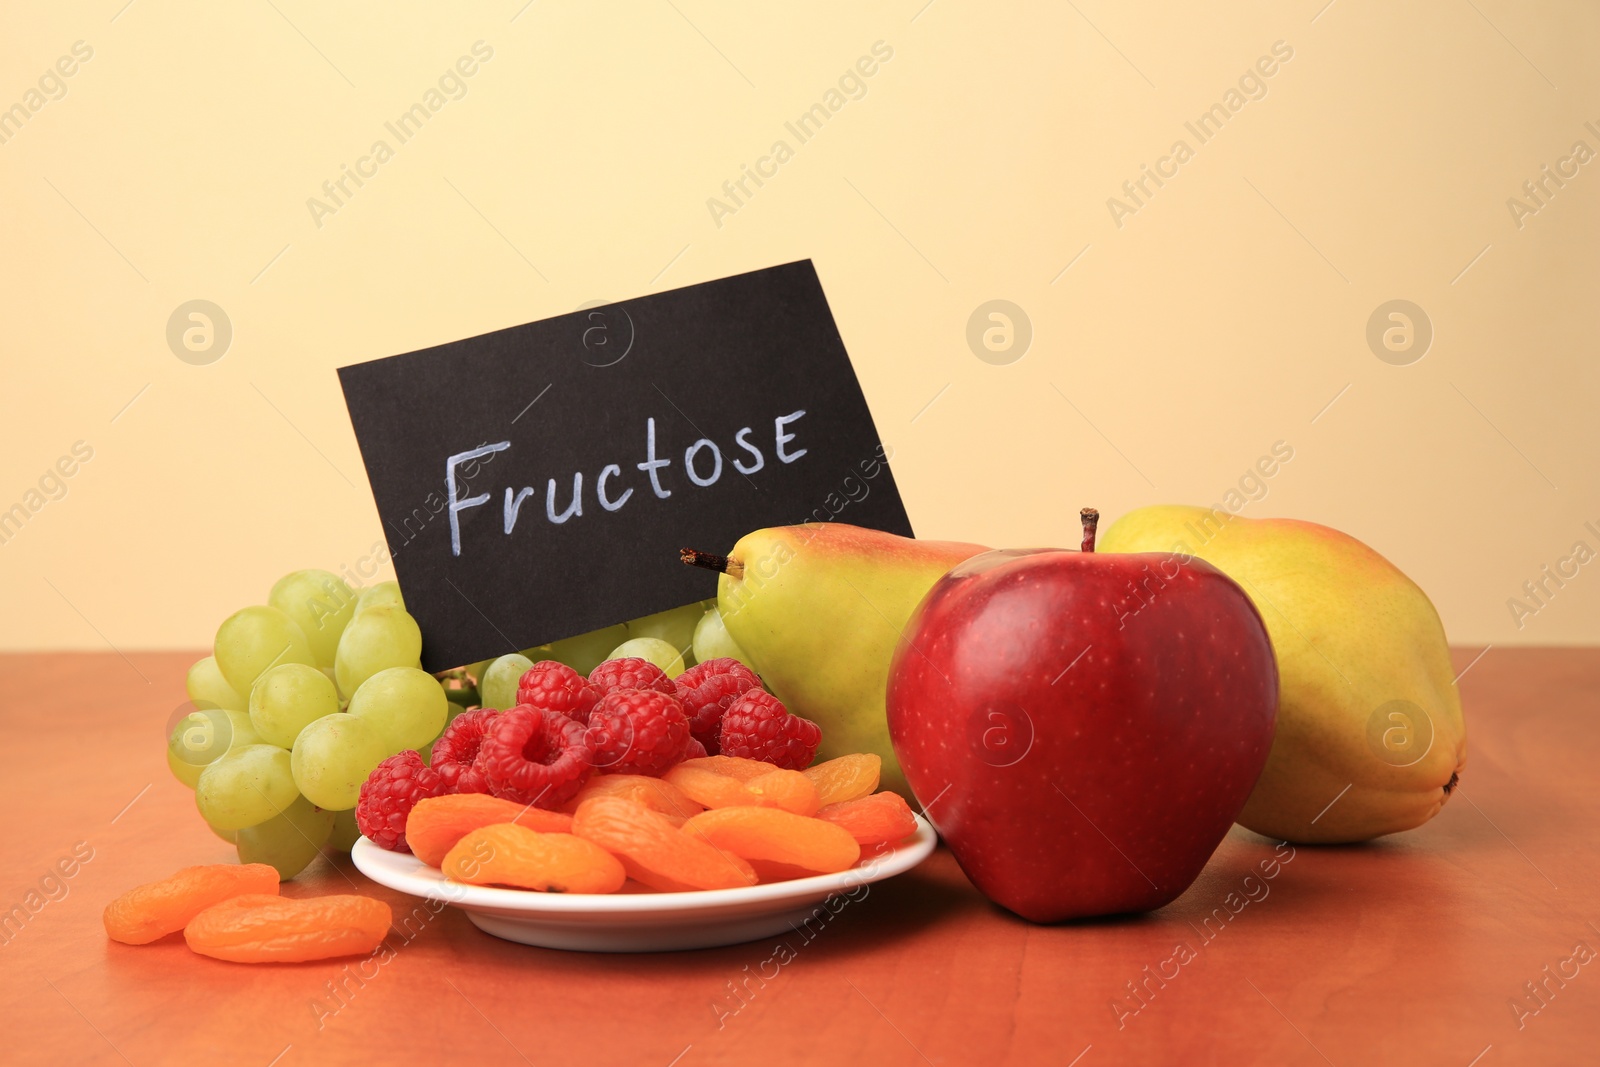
x: 299, y: 700
x: 303, y: 696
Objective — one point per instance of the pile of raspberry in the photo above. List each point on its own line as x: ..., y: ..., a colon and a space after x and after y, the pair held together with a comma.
x: 626, y: 717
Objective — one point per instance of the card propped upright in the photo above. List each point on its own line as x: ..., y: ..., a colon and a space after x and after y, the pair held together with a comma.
x: 537, y: 482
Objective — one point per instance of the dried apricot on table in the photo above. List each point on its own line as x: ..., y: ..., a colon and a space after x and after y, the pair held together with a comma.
x: 874, y: 820
x: 657, y: 794
x: 156, y: 909
x: 775, y: 836
x: 437, y: 823
x: 549, y: 863
x: 846, y: 777
x: 654, y: 851
x: 255, y: 928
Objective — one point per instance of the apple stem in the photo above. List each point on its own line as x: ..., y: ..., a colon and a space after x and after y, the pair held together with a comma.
x: 710, y: 561
x: 1091, y: 519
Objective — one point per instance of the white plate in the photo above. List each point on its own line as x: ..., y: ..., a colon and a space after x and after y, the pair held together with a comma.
x: 638, y: 922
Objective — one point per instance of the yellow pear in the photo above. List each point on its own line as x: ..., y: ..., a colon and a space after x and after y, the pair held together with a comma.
x: 1370, y: 738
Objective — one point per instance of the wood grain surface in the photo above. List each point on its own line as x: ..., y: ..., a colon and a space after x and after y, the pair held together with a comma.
x: 1471, y: 941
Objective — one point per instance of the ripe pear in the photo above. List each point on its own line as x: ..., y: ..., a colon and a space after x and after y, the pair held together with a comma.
x: 818, y: 609
x: 1370, y: 738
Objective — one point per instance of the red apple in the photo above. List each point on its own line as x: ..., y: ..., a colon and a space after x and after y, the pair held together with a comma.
x: 1083, y: 728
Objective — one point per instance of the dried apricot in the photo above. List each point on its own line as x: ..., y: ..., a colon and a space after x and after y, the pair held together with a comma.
x: 776, y: 836
x: 711, y: 789
x: 657, y: 794
x: 789, y: 790
x: 733, y: 766
x: 256, y: 928
x: 549, y: 863
x: 437, y: 823
x: 773, y: 788
x: 845, y: 778
x: 656, y: 852
x: 875, y: 820
x: 156, y: 909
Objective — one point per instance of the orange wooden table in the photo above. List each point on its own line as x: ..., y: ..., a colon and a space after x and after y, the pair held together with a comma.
x: 1419, y: 949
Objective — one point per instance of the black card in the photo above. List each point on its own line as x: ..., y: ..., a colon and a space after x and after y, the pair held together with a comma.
x: 756, y: 418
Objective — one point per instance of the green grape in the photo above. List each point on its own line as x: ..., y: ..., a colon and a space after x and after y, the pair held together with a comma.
x: 246, y: 785
x: 208, y: 688
x: 258, y: 637
x: 289, y: 841
x: 244, y: 731
x: 540, y: 652
x: 286, y: 699
x: 187, y: 773
x: 406, y: 706
x: 230, y: 836
x: 345, y: 831
x: 499, y: 688
x: 201, y: 737
x: 713, y: 641
x: 332, y: 758
x: 320, y: 603
x: 654, y: 650
x: 384, y: 594
x: 585, y: 652
x: 376, y: 639
x: 675, y: 627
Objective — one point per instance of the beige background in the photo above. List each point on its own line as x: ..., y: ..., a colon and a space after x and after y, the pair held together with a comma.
x: 1227, y: 314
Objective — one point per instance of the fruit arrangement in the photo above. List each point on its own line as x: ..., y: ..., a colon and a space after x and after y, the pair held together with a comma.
x: 1085, y: 725
x: 700, y: 782
x: 584, y: 784
x: 714, y: 822
x: 305, y: 696
x: 627, y: 718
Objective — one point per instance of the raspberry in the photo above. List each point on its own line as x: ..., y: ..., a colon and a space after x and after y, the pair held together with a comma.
x: 456, y: 750
x: 557, y: 687
x: 694, y: 749
x: 759, y: 727
x: 388, y: 795
x: 534, y: 757
x: 637, y: 731
x: 707, y: 689
x: 631, y: 673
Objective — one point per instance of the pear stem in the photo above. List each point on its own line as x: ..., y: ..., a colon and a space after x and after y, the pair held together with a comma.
x: 710, y: 561
x: 1091, y: 520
